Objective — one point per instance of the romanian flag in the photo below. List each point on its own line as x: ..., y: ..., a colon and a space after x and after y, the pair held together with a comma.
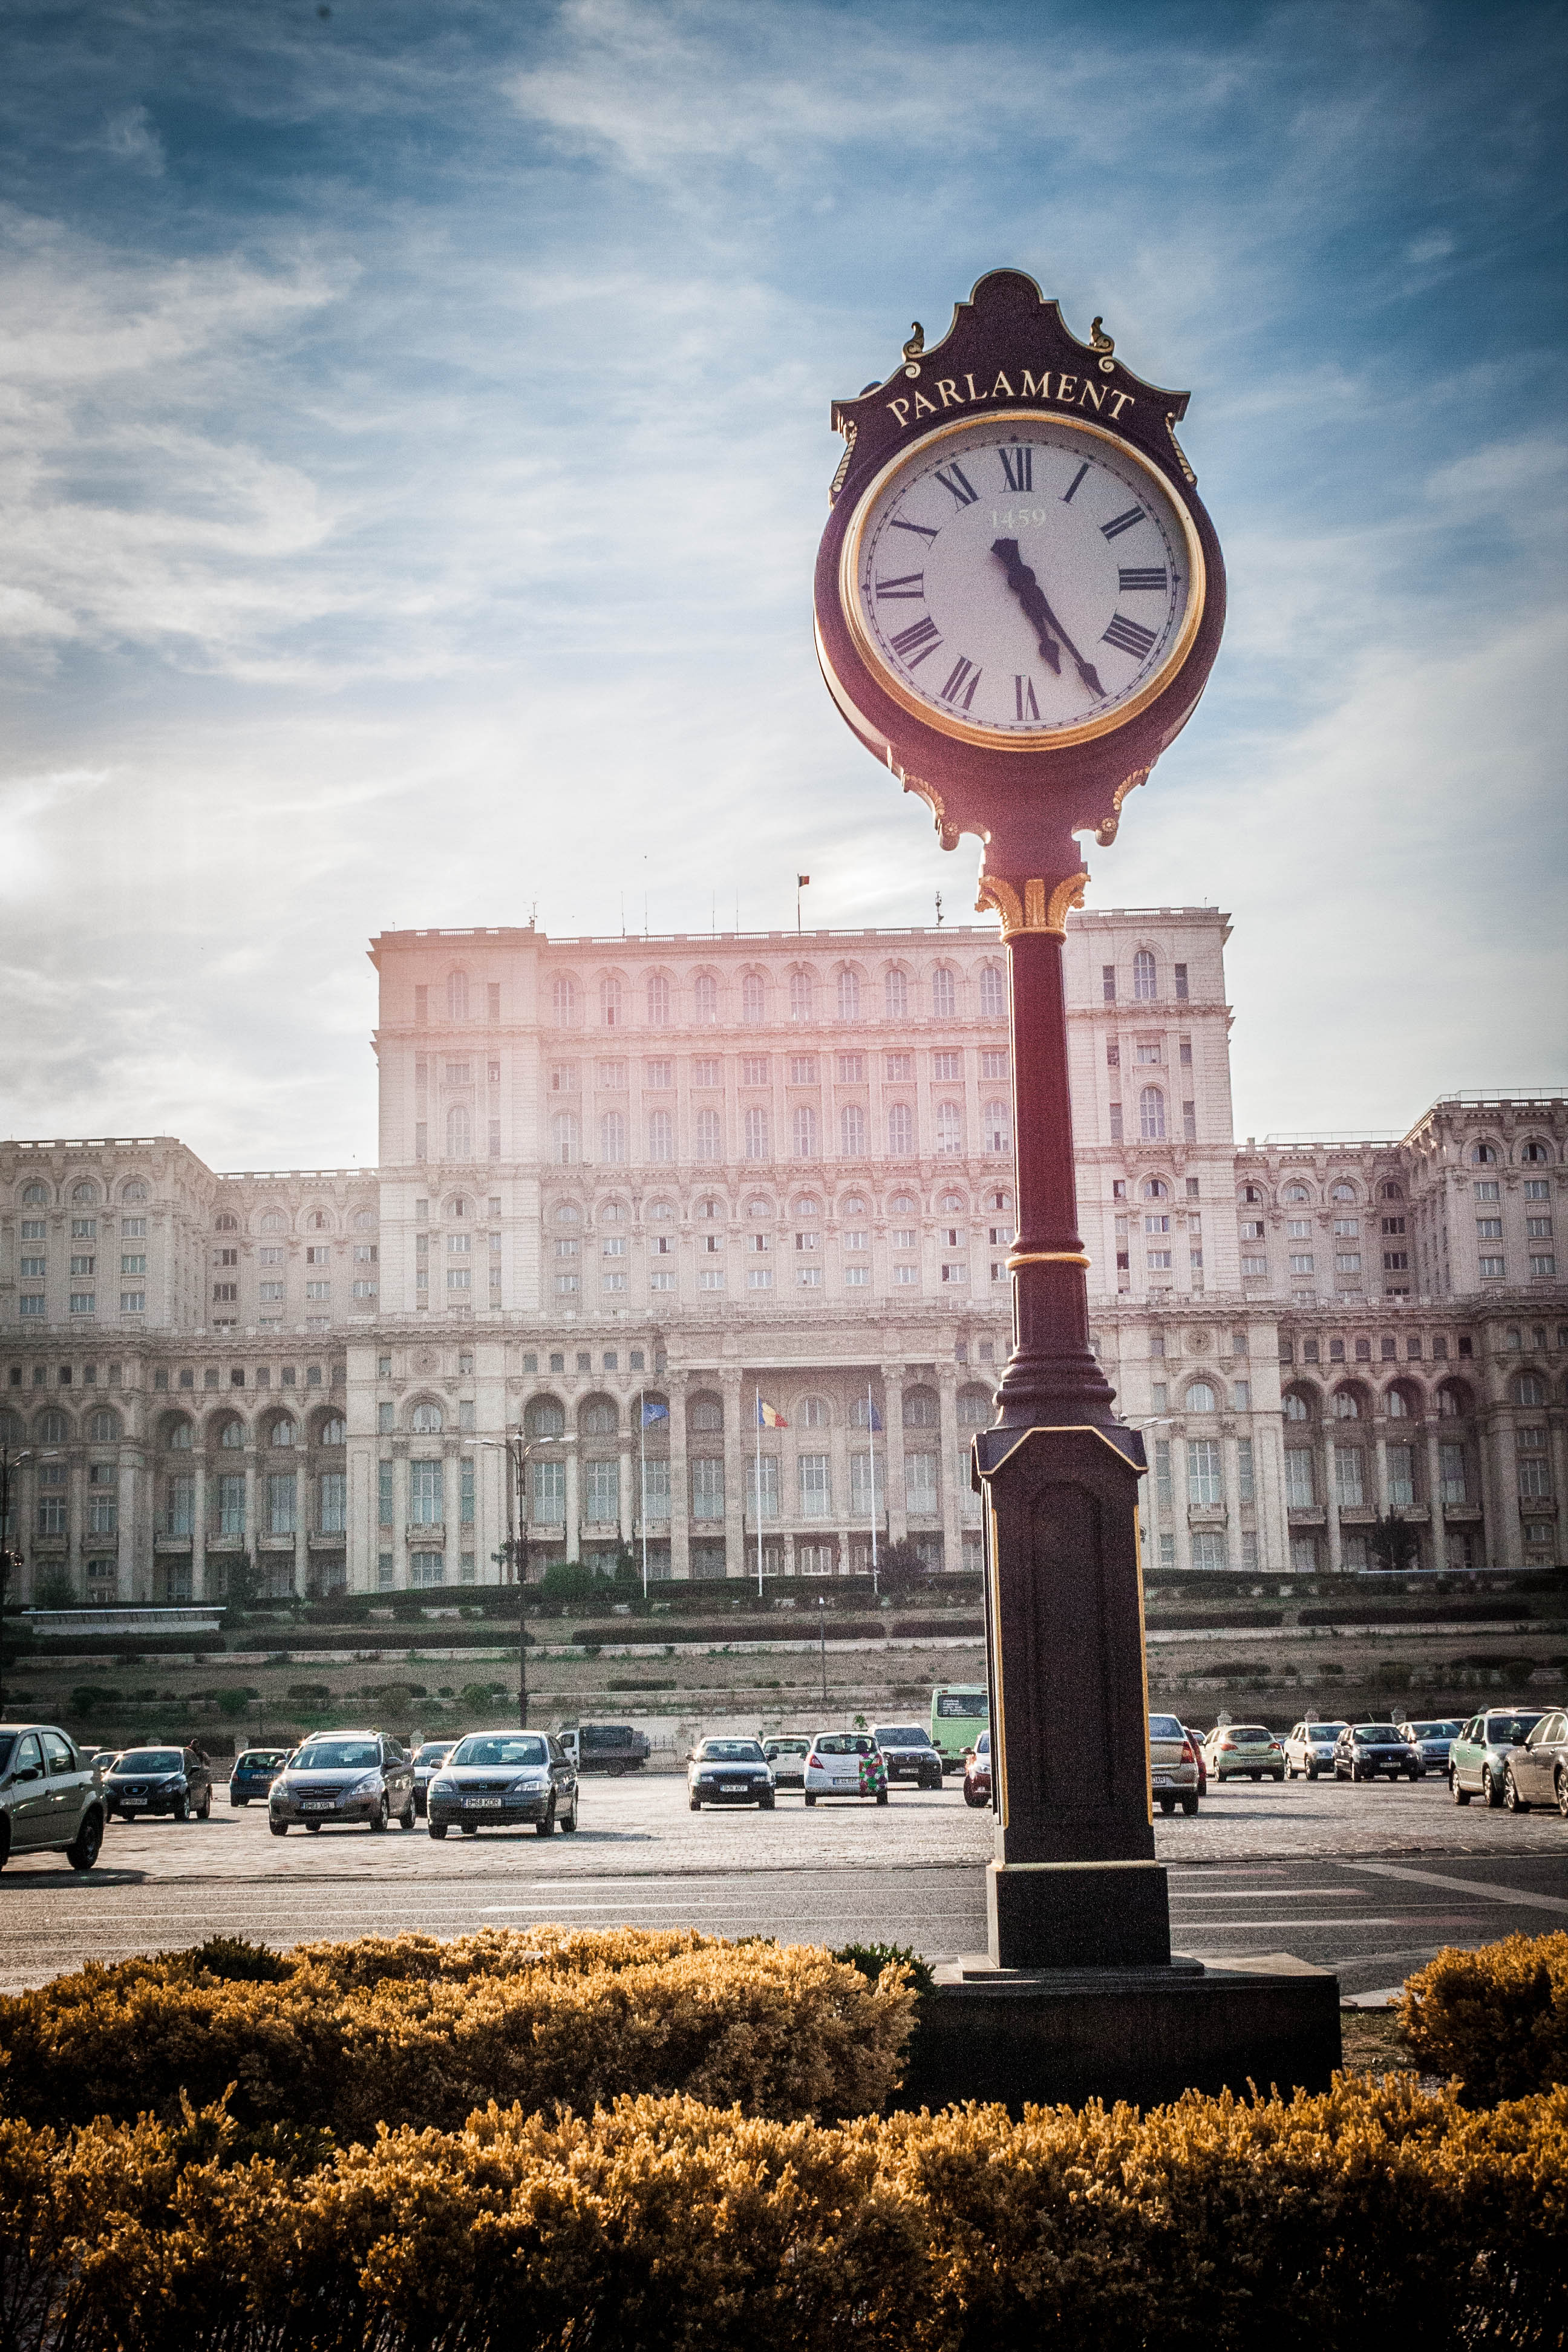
x: 769, y: 1416
x: 801, y: 882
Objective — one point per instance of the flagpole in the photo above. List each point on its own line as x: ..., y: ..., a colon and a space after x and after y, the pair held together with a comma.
x: 871, y: 1441
x: 757, y: 1503
x: 642, y: 1490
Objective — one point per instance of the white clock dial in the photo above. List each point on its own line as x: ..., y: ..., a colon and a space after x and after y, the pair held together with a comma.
x: 1021, y: 581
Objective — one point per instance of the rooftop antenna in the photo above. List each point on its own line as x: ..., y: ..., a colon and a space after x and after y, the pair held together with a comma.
x: 714, y: 913
x: 622, y: 914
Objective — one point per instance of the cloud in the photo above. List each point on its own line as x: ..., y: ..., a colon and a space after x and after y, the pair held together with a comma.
x: 131, y: 139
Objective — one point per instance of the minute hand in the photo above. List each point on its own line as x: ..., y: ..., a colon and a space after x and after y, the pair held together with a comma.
x: 1030, y: 594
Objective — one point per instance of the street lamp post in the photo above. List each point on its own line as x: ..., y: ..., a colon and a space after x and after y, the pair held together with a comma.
x: 8, y: 1558
x: 513, y: 1552
x: 822, y: 1644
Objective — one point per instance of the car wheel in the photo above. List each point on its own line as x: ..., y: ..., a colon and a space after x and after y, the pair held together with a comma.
x: 279, y: 1829
x: 1460, y: 1796
x: 1511, y: 1796
x: 1311, y: 1772
x: 881, y: 1796
x: 469, y: 1829
x: 312, y: 1829
x: 1413, y: 1774
x: 406, y: 1819
x: 1167, y: 1806
x: 83, y: 1850
x: 765, y: 1805
x: 182, y: 1809
x: 1489, y: 1789
x: 205, y: 1809
x: 695, y: 1803
x: 546, y: 1828
x: 810, y: 1799
x: 1561, y: 1784
x: 381, y: 1816
x: 1190, y: 1807
x: 5, y: 1840
x: 1280, y: 1777
x: 437, y: 1829
x: 1255, y: 1775
x: 1356, y: 1774
x: 569, y: 1820
x: 239, y: 1802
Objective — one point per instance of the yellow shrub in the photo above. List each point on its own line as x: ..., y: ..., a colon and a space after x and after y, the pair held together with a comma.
x: 1497, y: 2019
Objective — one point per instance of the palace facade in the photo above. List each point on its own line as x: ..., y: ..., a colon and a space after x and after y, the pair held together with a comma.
x: 630, y: 1190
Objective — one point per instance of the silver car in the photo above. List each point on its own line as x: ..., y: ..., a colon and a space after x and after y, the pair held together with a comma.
x: 1479, y: 1758
x: 1432, y: 1741
x: 504, y: 1780
x: 340, y: 1777
x: 50, y: 1801
x: 1310, y: 1749
x: 1537, y: 1773
x: 1173, y: 1766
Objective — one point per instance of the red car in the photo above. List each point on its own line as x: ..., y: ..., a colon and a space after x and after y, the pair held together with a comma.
x: 978, y: 1772
x: 1197, y: 1740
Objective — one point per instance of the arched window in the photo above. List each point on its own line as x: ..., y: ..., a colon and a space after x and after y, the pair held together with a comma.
x: 805, y: 1144
x: 848, y: 995
x: 231, y: 1436
x: 103, y: 1427
x: 1251, y: 1196
x: 610, y: 1001
x: 334, y: 1431
x: 753, y: 999
x: 658, y: 1000
x: 35, y: 1195
x: 998, y: 1127
x: 705, y: 1415
x: 806, y: 1206
x: 1397, y: 1404
x: 84, y: 1195
x: 973, y: 1408
x: 943, y: 993
x: 661, y: 1138
x: 1297, y: 1406
x: 54, y: 1429
x: 705, y: 998
x: 1145, y: 980
x: 568, y: 1214
x: 564, y: 1001
x: 426, y: 1421
x: 949, y: 1129
x: 800, y: 996
x: 896, y: 995
x: 1156, y: 1188
x: 563, y: 1144
x: 545, y: 1417
x: 1347, y: 1405
x: 364, y: 1219
x: 1296, y: 1192
x: 1484, y: 1155
x: 457, y: 996
x: 812, y: 1412
x: 755, y: 1126
x: 597, y: 1417
x: 459, y: 1137
x: 318, y: 1221
x: 993, y: 991
x: 281, y: 1431
x: 901, y: 1131
x: 708, y: 1139
x: 1201, y: 1398
x: 1533, y: 1152
x: 1152, y: 1114
x: 923, y: 1409
x: 134, y: 1191
x: 852, y: 1131
x: 1453, y: 1400
x: 613, y: 1138
x: 1344, y: 1192
x: 1528, y: 1388
x: 226, y: 1223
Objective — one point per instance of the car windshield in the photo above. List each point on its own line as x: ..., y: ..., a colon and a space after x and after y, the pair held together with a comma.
x: 1509, y: 1730
x: 1165, y: 1726
x: 785, y: 1747
x: 337, y: 1755
x: 261, y: 1759
x: 7, y: 1741
x: 730, y: 1751
x: 844, y: 1743
x: 1436, y: 1730
x: 983, y: 1745
x: 1246, y: 1734
x: 502, y: 1748
x: 1377, y: 1735
x: 150, y: 1759
x: 1324, y: 1730
x: 898, y: 1735
x: 434, y: 1754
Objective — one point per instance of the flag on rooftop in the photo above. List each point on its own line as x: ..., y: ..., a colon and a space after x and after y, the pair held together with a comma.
x: 769, y: 1416
x: 652, y: 1410
x: 802, y: 881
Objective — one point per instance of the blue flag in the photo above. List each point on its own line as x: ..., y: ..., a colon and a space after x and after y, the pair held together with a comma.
x: 876, y: 1421
x: 653, y: 1411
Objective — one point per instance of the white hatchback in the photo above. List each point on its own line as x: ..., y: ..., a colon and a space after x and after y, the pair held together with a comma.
x: 845, y: 1764
x: 1310, y: 1749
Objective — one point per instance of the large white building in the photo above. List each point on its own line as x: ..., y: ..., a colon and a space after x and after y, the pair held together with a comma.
x: 628, y: 1186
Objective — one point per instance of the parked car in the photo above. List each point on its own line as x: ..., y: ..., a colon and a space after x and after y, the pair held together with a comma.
x: 254, y: 1769
x: 1431, y: 1742
x: 786, y: 1757
x: 343, y: 1777
x: 611, y: 1747
x: 908, y: 1754
x: 1537, y: 1773
x: 427, y: 1762
x: 978, y: 1772
x: 49, y: 1799
x: 1173, y: 1766
x: 729, y: 1772
x: 499, y: 1779
x: 1239, y: 1752
x: 1310, y: 1749
x: 158, y: 1780
x: 1197, y: 1739
x: 1477, y: 1757
x: 1363, y: 1751
x: 845, y: 1764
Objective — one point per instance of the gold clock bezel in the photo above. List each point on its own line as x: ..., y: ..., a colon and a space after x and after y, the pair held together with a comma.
x: 1042, y: 738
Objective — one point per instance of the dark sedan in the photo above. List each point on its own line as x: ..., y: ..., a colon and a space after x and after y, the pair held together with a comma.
x: 342, y: 1777
x: 1363, y: 1751
x: 908, y: 1753
x: 978, y: 1772
x: 729, y: 1772
x: 158, y: 1780
x: 427, y: 1762
x: 504, y: 1780
x: 254, y: 1769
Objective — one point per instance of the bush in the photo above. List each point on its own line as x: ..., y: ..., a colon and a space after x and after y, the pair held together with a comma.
x: 660, y: 2225
x: 233, y: 1704
x: 1497, y: 2019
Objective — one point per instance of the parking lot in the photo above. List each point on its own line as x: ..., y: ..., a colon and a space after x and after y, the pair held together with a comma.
x: 1369, y: 1880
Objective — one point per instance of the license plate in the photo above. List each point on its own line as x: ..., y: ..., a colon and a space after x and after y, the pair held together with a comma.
x: 317, y: 1804
x: 734, y: 1788
x: 1164, y: 1780
x: 478, y: 1802
x: 130, y: 1802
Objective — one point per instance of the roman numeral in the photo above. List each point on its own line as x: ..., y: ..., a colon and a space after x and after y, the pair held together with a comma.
x: 1131, y: 636
x: 919, y: 527
x: 1119, y: 523
x: 913, y: 585
x: 960, y: 671
x: 1152, y: 576
x: 913, y: 644
x: 958, y: 482
x: 1019, y: 468
x: 1071, y: 489
x: 1023, y: 697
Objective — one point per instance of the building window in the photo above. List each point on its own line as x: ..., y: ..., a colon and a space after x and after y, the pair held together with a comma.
x: 426, y: 1504
x: 333, y: 1503
x: 848, y: 995
x: 1349, y: 1483
x: 805, y: 1131
x: 1181, y: 972
x: 1455, y: 1484
x: 706, y: 1488
x: 1189, y: 1123
x: 755, y: 1128
x: 1208, y: 1548
x: 753, y: 999
x: 943, y: 994
x: 896, y: 995
x: 950, y: 1129
x: 1143, y: 978
x: 457, y: 996
x: 993, y: 992
x: 1204, y: 1489
x: 610, y: 1002
x: 661, y: 1138
x: 1244, y: 1489
x: 800, y: 996
x: 921, y: 1489
x: 901, y: 1131
x: 705, y: 1003
x: 997, y: 1127
x: 281, y: 1487
x: 1301, y: 1485
x: 1108, y: 982
x: 852, y: 1131
x: 815, y: 1486
x: 603, y: 1492
x: 548, y: 1497
x: 1152, y: 1114
x: 658, y: 1000
x: 613, y: 1138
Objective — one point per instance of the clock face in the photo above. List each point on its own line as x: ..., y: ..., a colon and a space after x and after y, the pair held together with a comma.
x: 1022, y: 581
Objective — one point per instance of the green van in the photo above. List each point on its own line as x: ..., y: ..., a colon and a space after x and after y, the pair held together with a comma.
x: 960, y: 1711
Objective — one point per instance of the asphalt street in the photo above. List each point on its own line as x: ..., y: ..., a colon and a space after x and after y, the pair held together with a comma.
x: 1368, y: 1881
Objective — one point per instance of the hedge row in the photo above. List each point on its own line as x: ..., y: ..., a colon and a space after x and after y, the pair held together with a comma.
x: 1496, y: 2019
x: 343, y: 2038
x: 662, y: 2225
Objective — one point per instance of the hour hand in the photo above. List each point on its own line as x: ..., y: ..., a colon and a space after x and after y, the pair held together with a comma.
x: 1030, y: 596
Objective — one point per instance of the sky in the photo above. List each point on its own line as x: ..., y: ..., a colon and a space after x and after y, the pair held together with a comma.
x: 414, y: 446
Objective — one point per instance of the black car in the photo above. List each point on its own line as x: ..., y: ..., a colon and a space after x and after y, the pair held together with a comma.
x: 729, y: 1772
x: 342, y: 1776
x: 908, y: 1753
x: 504, y: 1780
x: 427, y: 1762
x: 1362, y: 1751
x: 158, y: 1780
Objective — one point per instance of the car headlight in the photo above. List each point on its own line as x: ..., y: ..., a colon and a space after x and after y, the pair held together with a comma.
x: 529, y: 1784
x: 366, y: 1783
x: 442, y: 1788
